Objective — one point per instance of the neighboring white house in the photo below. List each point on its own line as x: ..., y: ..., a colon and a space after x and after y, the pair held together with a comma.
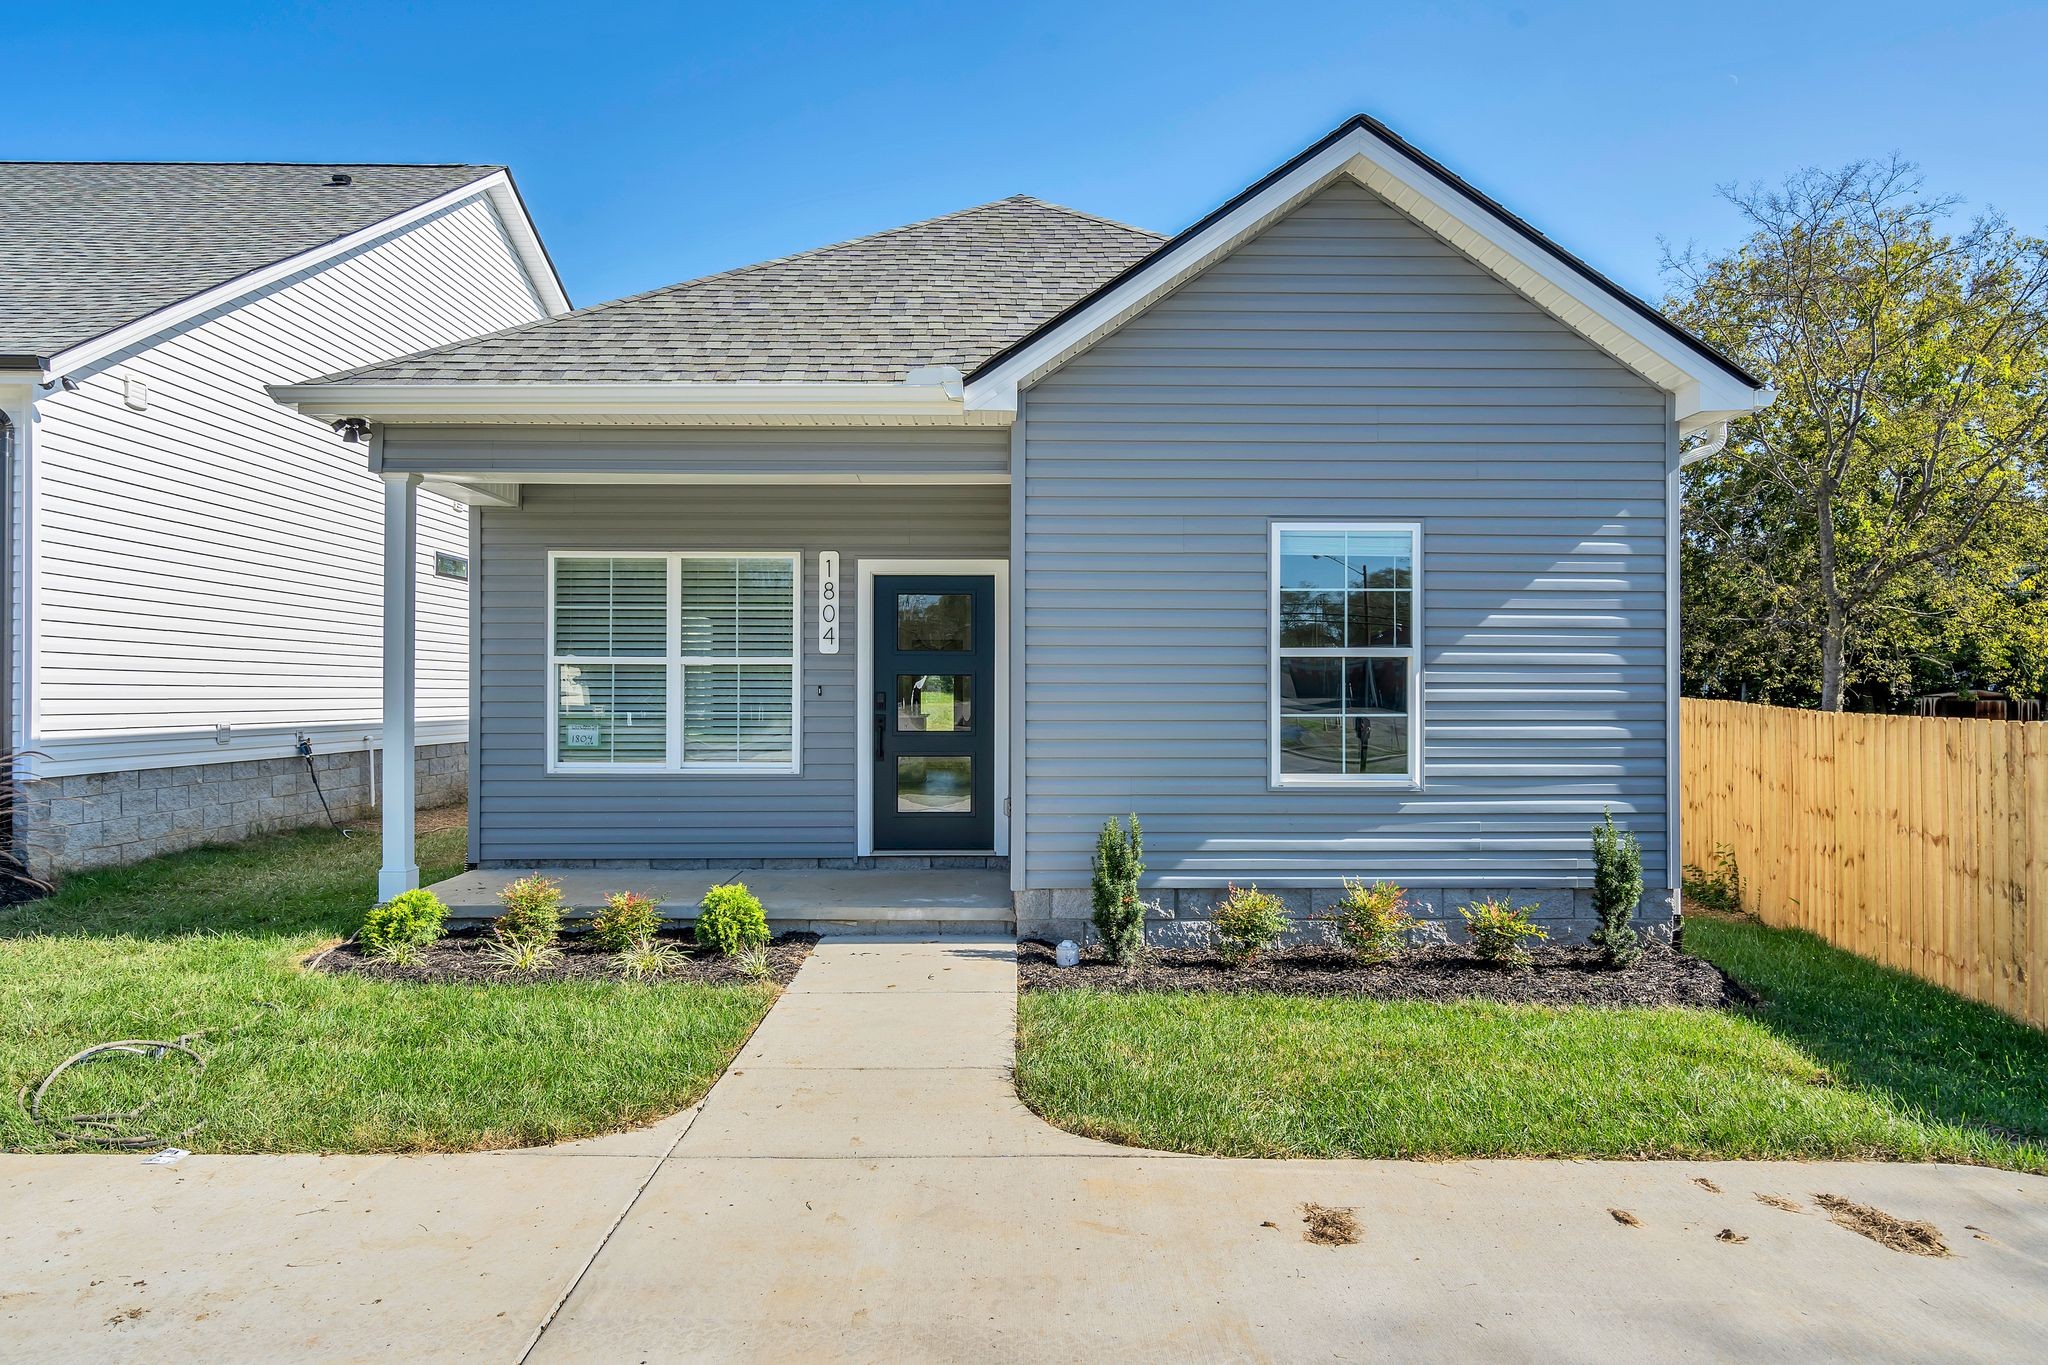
x: 194, y: 573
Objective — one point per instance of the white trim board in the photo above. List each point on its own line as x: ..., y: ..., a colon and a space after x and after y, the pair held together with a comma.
x: 1706, y: 391
x: 864, y: 686
x: 497, y: 186
x: 738, y: 400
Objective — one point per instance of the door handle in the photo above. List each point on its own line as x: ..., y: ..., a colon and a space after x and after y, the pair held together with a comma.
x: 881, y: 722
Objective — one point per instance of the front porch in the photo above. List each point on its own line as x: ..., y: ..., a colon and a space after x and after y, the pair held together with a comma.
x: 880, y: 900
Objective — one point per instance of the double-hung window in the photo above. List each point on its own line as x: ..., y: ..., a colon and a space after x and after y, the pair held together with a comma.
x: 1346, y: 615
x: 674, y: 662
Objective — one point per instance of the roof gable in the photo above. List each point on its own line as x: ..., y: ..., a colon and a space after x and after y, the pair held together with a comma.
x: 89, y: 248
x: 1707, y: 386
x: 948, y: 291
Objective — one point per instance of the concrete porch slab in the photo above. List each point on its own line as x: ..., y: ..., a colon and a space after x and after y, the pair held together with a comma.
x: 823, y: 900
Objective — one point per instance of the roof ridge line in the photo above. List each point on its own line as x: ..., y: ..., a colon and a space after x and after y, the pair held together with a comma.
x: 1091, y: 217
x: 307, y: 165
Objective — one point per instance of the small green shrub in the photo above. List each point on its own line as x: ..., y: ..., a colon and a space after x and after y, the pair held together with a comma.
x: 533, y: 912
x: 1371, y: 920
x: 1119, y: 915
x: 646, y: 958
x: 731, y: 920
x: 627, y: 920
x: 753, y: 962
x: 1617, y: 889
x: 403, y: 925
x: 1718, y: 887
x: 1501, y: 932
x: 1246, y: 924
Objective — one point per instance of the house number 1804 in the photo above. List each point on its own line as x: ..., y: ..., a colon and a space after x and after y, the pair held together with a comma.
x: 828, y: 602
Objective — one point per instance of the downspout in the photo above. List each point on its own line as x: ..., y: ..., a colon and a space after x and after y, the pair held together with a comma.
x: 1716, y: 442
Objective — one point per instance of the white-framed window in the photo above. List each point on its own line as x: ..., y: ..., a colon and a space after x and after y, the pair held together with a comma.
x: 674, y: 661
x: 1346, y: 621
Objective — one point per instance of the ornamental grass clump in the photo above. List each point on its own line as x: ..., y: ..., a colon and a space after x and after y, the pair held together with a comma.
x: 1246, y: 924
x: 1501, y: 932
x: 730, y: 920
x: 627, y: 921
x: 401, y: 926
x: 1372, y: 921
x: 1119, y: 915
x: 1617, y: 889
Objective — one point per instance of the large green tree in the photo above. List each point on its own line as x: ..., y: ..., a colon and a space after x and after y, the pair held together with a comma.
x: 1880, y: 527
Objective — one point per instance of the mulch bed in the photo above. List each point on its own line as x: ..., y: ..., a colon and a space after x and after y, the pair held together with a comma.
x: 1560, y: 976
x: 460, y: 959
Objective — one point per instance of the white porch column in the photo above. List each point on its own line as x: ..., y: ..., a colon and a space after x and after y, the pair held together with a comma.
x: 401, y: 870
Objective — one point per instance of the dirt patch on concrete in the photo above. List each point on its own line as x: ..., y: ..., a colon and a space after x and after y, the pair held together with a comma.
x: 1329, y: 1227
x: 1560, y: 976
x: 1779, y: 1201
x: 1729, y: 1235
x: 1900, y: 1234
x: 462, y: 959
x: 1625, y: 1218
x: 1709, y: 1186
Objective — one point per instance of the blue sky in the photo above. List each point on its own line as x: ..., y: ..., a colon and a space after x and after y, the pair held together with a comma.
x: 657, y: 142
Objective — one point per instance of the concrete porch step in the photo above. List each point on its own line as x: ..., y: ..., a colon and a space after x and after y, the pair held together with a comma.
x: 816, y: 900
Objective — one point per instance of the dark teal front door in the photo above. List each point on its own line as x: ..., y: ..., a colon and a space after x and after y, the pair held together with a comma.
x: 934, y: 719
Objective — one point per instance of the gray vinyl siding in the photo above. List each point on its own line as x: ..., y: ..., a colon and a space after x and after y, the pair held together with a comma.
x: 1345, y: 364
x: 960, y: 452
x: 525, y: 814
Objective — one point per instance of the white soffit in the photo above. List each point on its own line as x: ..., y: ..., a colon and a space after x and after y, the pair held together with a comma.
x: 1705, y: 389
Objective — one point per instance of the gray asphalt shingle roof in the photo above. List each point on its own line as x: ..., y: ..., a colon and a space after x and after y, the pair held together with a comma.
x: 88, y: 246
x: 951, y: 290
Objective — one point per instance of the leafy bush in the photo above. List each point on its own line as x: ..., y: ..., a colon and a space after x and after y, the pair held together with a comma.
x: 753, y: 962
x: 1718, y: 887
x: 1617, y: 888
x: 627, y: 920
x: 731, y: 920
x: 533, y: 912
x: 1119, y: 915
x: 1501, y: 932
x: 1247, y: 924
x: 1371, y: 920
x: 403, y: 925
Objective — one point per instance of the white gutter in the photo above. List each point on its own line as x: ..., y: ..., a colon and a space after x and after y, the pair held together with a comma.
x: 928, y: 392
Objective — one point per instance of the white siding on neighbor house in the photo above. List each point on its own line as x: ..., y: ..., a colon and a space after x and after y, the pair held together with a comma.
x: 1344, y: 365
x: 215, y: 559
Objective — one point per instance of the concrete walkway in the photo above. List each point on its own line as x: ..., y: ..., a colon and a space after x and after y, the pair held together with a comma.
x: 863, y: 1185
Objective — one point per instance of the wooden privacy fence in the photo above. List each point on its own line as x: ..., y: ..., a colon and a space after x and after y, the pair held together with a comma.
x: 1922, y: 843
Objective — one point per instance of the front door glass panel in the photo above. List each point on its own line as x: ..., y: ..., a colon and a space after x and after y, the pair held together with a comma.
x: 934, y: 622
x: 935, y: 703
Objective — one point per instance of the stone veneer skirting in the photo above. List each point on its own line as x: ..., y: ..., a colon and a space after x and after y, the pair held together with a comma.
x: 883, y: 862
x: 68, y: 824
x: 1180, y: 919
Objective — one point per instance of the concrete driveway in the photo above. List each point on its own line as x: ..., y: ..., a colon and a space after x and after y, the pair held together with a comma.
x: 864, y: 1185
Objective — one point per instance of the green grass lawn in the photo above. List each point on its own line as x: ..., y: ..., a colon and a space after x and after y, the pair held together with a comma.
x: 304, y: 1062
x: 1845, y: 1059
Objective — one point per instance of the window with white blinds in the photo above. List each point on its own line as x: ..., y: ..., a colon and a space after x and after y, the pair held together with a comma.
x: 676, y: 662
